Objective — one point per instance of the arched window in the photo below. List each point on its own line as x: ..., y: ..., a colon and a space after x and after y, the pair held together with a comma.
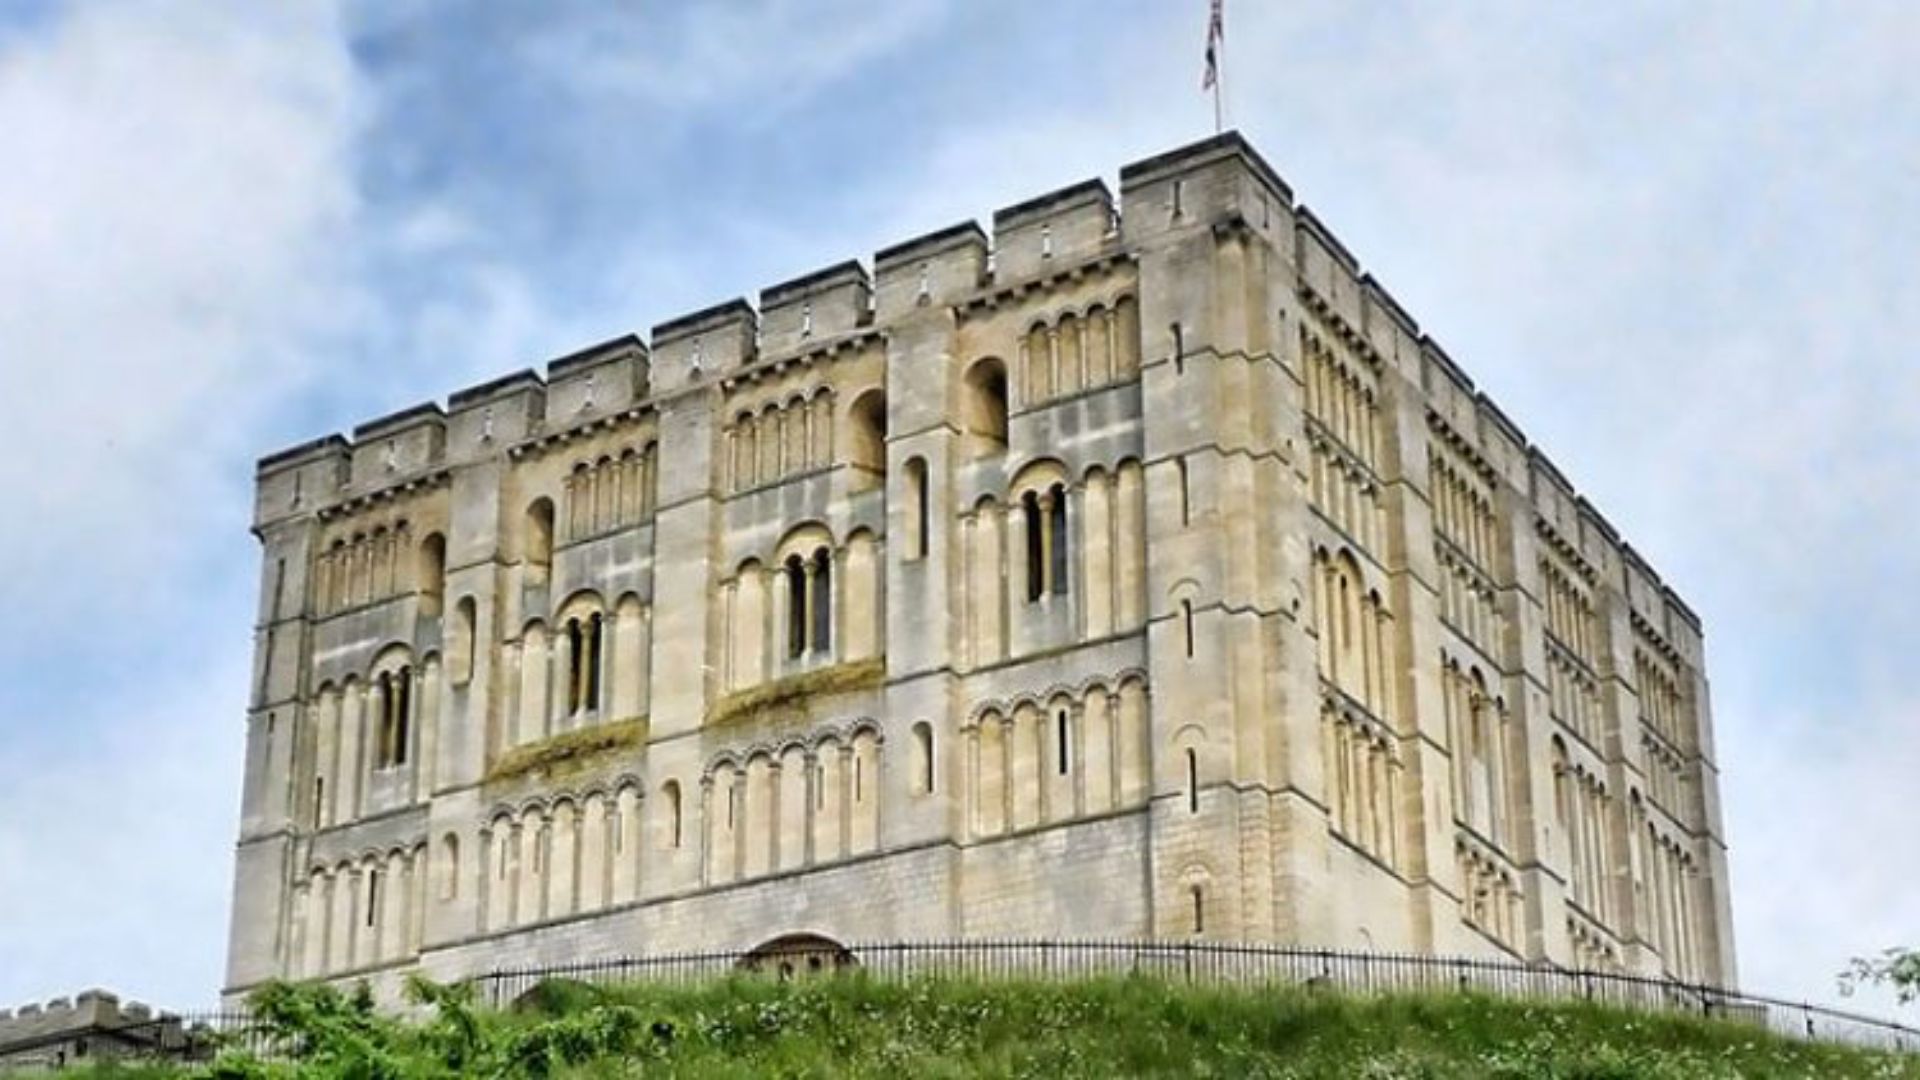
x: 596, y: 634
x: 460, y: 657
x: 537, y: 540
x: 1047, y: 555
x: 821, y: 640
x: 392, y: 699
x: 796, y: 572
x: 431, y: 572
x: 986, y: 406
x: 576, y: 653
x: 923, y: 758
x: 1057, y: 538
x: 1036, y: 546
x: 670, y: 830
x: 867, y: 445
x: 918, y: 523
x: 584, y: 637
x: 402, y: 715
x: 449, y: 867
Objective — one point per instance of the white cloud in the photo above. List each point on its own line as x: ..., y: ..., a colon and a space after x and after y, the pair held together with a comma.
x: 1673, y: 243
x: 174, y: 206
x: 781, y: 51
x: 176, y: 188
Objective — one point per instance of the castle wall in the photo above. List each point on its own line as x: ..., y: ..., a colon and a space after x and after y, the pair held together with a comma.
x: 1140, y: 570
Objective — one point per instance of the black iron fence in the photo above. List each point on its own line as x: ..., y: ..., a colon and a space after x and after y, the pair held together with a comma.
x: 1221, y: 963
x: 197, y: 1036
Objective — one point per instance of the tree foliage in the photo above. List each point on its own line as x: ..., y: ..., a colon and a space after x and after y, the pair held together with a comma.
x: 1897, y: 969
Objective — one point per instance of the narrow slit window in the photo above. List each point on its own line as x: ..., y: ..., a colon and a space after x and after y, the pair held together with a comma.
x: 1193, y: 781
x: 1062, y: 738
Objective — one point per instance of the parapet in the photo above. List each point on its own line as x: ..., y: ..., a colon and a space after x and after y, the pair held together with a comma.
x: 934, y: 268
x: 1063, y: 226
x: 90, y: 1010
x: 597, y: 380
x: 1202, y: 183
x: 823, y: 304
x: 1327, y: 269
x: 398, y: 444
x: 695, y: 348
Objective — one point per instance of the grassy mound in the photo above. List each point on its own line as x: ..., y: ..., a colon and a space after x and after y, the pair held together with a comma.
x: 852, y: 1026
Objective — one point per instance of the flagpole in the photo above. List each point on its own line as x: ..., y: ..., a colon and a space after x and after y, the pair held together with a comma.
x: 1214, y: 78
x: 1219, y: 87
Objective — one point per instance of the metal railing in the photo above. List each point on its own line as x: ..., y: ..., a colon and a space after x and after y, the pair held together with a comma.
x: 1230, y: 964
x: 197, y: 1036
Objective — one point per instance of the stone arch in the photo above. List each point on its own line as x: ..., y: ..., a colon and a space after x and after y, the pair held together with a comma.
x: 536, y: 540
x: 1040, y: 491
x: 861, y: 628
x: 805, y: 598
x: 797, y: 954
x: 430, y: 573
x: 985, y: 406
x: 917, y: 514
x: 867, y: 438
x: 923, y: 778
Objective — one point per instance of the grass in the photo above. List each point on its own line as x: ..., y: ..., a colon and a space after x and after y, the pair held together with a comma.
x: 569, y: 752
x: 855, y: 1027
x: 788, y: 694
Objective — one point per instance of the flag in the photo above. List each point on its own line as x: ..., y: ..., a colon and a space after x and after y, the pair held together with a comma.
x: 1216, y: 37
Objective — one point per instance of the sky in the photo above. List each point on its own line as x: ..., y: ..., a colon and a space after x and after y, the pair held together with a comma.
x: 1675, y: 242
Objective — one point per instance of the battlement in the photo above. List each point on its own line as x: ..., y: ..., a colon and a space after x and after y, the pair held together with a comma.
x: 86, y: 1012
x: 1218, y: 181
x: 822, y: 304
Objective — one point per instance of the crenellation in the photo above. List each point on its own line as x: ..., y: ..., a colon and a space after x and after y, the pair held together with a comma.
x: 1069, y: 225
x: 502, y: 412
x: 695, y: 348
x: 398, y: 445
x: 1199, y: 184
x: 1391, y: 332
x: 913, y: 597
x: 933, y: 269
x: 292, y: 483
x: 1508, y: 445
x: 1328, y: 272
x: 599, y: 380
x: 817, y: 307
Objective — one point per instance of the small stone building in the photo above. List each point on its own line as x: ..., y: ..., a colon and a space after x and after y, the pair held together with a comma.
x: 1139, y: 569
x: 92, y: 1026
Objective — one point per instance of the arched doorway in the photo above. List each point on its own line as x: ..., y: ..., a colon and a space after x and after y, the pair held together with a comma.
x: 797, y: 954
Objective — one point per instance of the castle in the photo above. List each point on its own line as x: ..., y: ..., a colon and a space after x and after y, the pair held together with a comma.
x: 1139, y: 570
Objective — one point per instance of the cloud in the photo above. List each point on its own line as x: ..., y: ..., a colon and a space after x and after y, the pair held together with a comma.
x: 176, y: 187
x: 1672, y: 242
x: 779, y: 52
x: 177, y: 192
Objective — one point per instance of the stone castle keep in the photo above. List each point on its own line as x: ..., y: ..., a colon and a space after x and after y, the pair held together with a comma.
x: 1139, y: 570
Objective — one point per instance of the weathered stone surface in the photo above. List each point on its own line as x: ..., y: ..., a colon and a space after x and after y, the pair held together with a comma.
x: 1151, y: 576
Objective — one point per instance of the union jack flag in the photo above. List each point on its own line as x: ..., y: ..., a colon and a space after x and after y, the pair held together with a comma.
x: 1216, y: 37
